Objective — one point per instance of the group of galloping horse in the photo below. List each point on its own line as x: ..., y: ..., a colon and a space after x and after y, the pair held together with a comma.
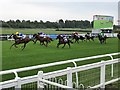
x: 34, y: 38
x: 62, y: 40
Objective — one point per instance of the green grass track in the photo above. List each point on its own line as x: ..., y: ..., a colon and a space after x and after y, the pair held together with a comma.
x: 35, y: 54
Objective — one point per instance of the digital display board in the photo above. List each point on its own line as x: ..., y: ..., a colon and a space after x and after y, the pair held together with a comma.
x: 102, y: 21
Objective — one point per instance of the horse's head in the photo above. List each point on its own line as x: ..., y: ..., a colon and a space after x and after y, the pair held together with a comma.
x: 34, y: 35
x: 11, y: 36
x: 58, y: 36
x: 15, y: 36
x: 50, y: 39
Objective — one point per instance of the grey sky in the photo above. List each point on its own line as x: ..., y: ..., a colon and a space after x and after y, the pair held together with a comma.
x: 54, y: 10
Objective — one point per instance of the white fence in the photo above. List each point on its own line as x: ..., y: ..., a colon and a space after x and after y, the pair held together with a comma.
x: 6, y: 37
x: 67, y: 78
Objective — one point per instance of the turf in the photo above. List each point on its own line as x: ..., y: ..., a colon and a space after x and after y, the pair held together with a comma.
x: 32, y: 31
x: 35, y: 54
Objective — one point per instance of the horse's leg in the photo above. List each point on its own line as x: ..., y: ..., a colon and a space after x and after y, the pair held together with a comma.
x: 64, y: 45
x: 15, y: 45
x: 102, y: 41
x: 83, y: 40
x: 24, y: 46
x: 86, y: 39
x: 41, y: 43
x: 69, y: 45
x: 89, y: 40
x: 44, y: 44
x: 105, y: 41
x: 12, y: 45
x: 35, y: 41
x: 47, y: 43
x: 77, y: 40
x: 58, y: 45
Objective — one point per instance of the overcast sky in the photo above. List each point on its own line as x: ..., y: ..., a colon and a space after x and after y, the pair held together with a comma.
x: 53, y: 10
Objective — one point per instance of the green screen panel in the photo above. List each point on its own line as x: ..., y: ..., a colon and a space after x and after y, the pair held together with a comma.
x: 103, y: 22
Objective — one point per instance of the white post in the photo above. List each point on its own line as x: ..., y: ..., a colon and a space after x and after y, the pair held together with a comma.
x: 102, y: 76
x: 18, y: 87
x: 111, y: 66
x: 40, y: 85
x: 76, y: 75
x: 69, y: 77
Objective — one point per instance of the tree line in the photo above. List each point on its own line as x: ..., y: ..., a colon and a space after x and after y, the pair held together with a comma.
x: 40, y: 24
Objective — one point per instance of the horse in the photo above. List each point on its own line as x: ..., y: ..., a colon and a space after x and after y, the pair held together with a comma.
x: 88, y: 37
x: 102, y: 39
x: 19, y: 40
x: 42, y: 39
x: 63, y: 41
x: 78, y: 37
x: 118, y: 35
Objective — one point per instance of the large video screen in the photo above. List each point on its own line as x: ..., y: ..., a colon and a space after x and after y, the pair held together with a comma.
x: 101, y: 21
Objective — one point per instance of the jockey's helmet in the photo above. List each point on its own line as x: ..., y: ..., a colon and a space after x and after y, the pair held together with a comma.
x: 17, y: 33
x: 41, y: 33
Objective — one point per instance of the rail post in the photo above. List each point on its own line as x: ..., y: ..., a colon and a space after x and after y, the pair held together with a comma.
x: 18, y: 86
x: 102, y: 76
x: 18, y: 79
x: 76, y: 74
x: 69, y: 77
x: 40, y: 85
x: 112, y: 68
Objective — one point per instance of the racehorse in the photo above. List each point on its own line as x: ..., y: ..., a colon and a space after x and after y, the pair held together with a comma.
x: 42, y: 39
x: 118, y: 35
x: 77, y: 38
x: 102, y: 39
x: 19, y: 40
x: 62, y: 41
x: 89, y: 37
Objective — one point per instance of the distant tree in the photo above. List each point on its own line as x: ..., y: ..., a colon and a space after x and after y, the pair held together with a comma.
x: 18, y: 21
x: 61, y: 23
x: 47, y: 24
x: 92, y: 23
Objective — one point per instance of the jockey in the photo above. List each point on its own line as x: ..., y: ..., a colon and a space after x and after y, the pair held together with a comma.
x: 17, y: 33
x: 42, y: 34
x: 65, y: 38
x: 20, y: 35
x: 102, y: 34
x: 75, y: 33
x: 61, y: 35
